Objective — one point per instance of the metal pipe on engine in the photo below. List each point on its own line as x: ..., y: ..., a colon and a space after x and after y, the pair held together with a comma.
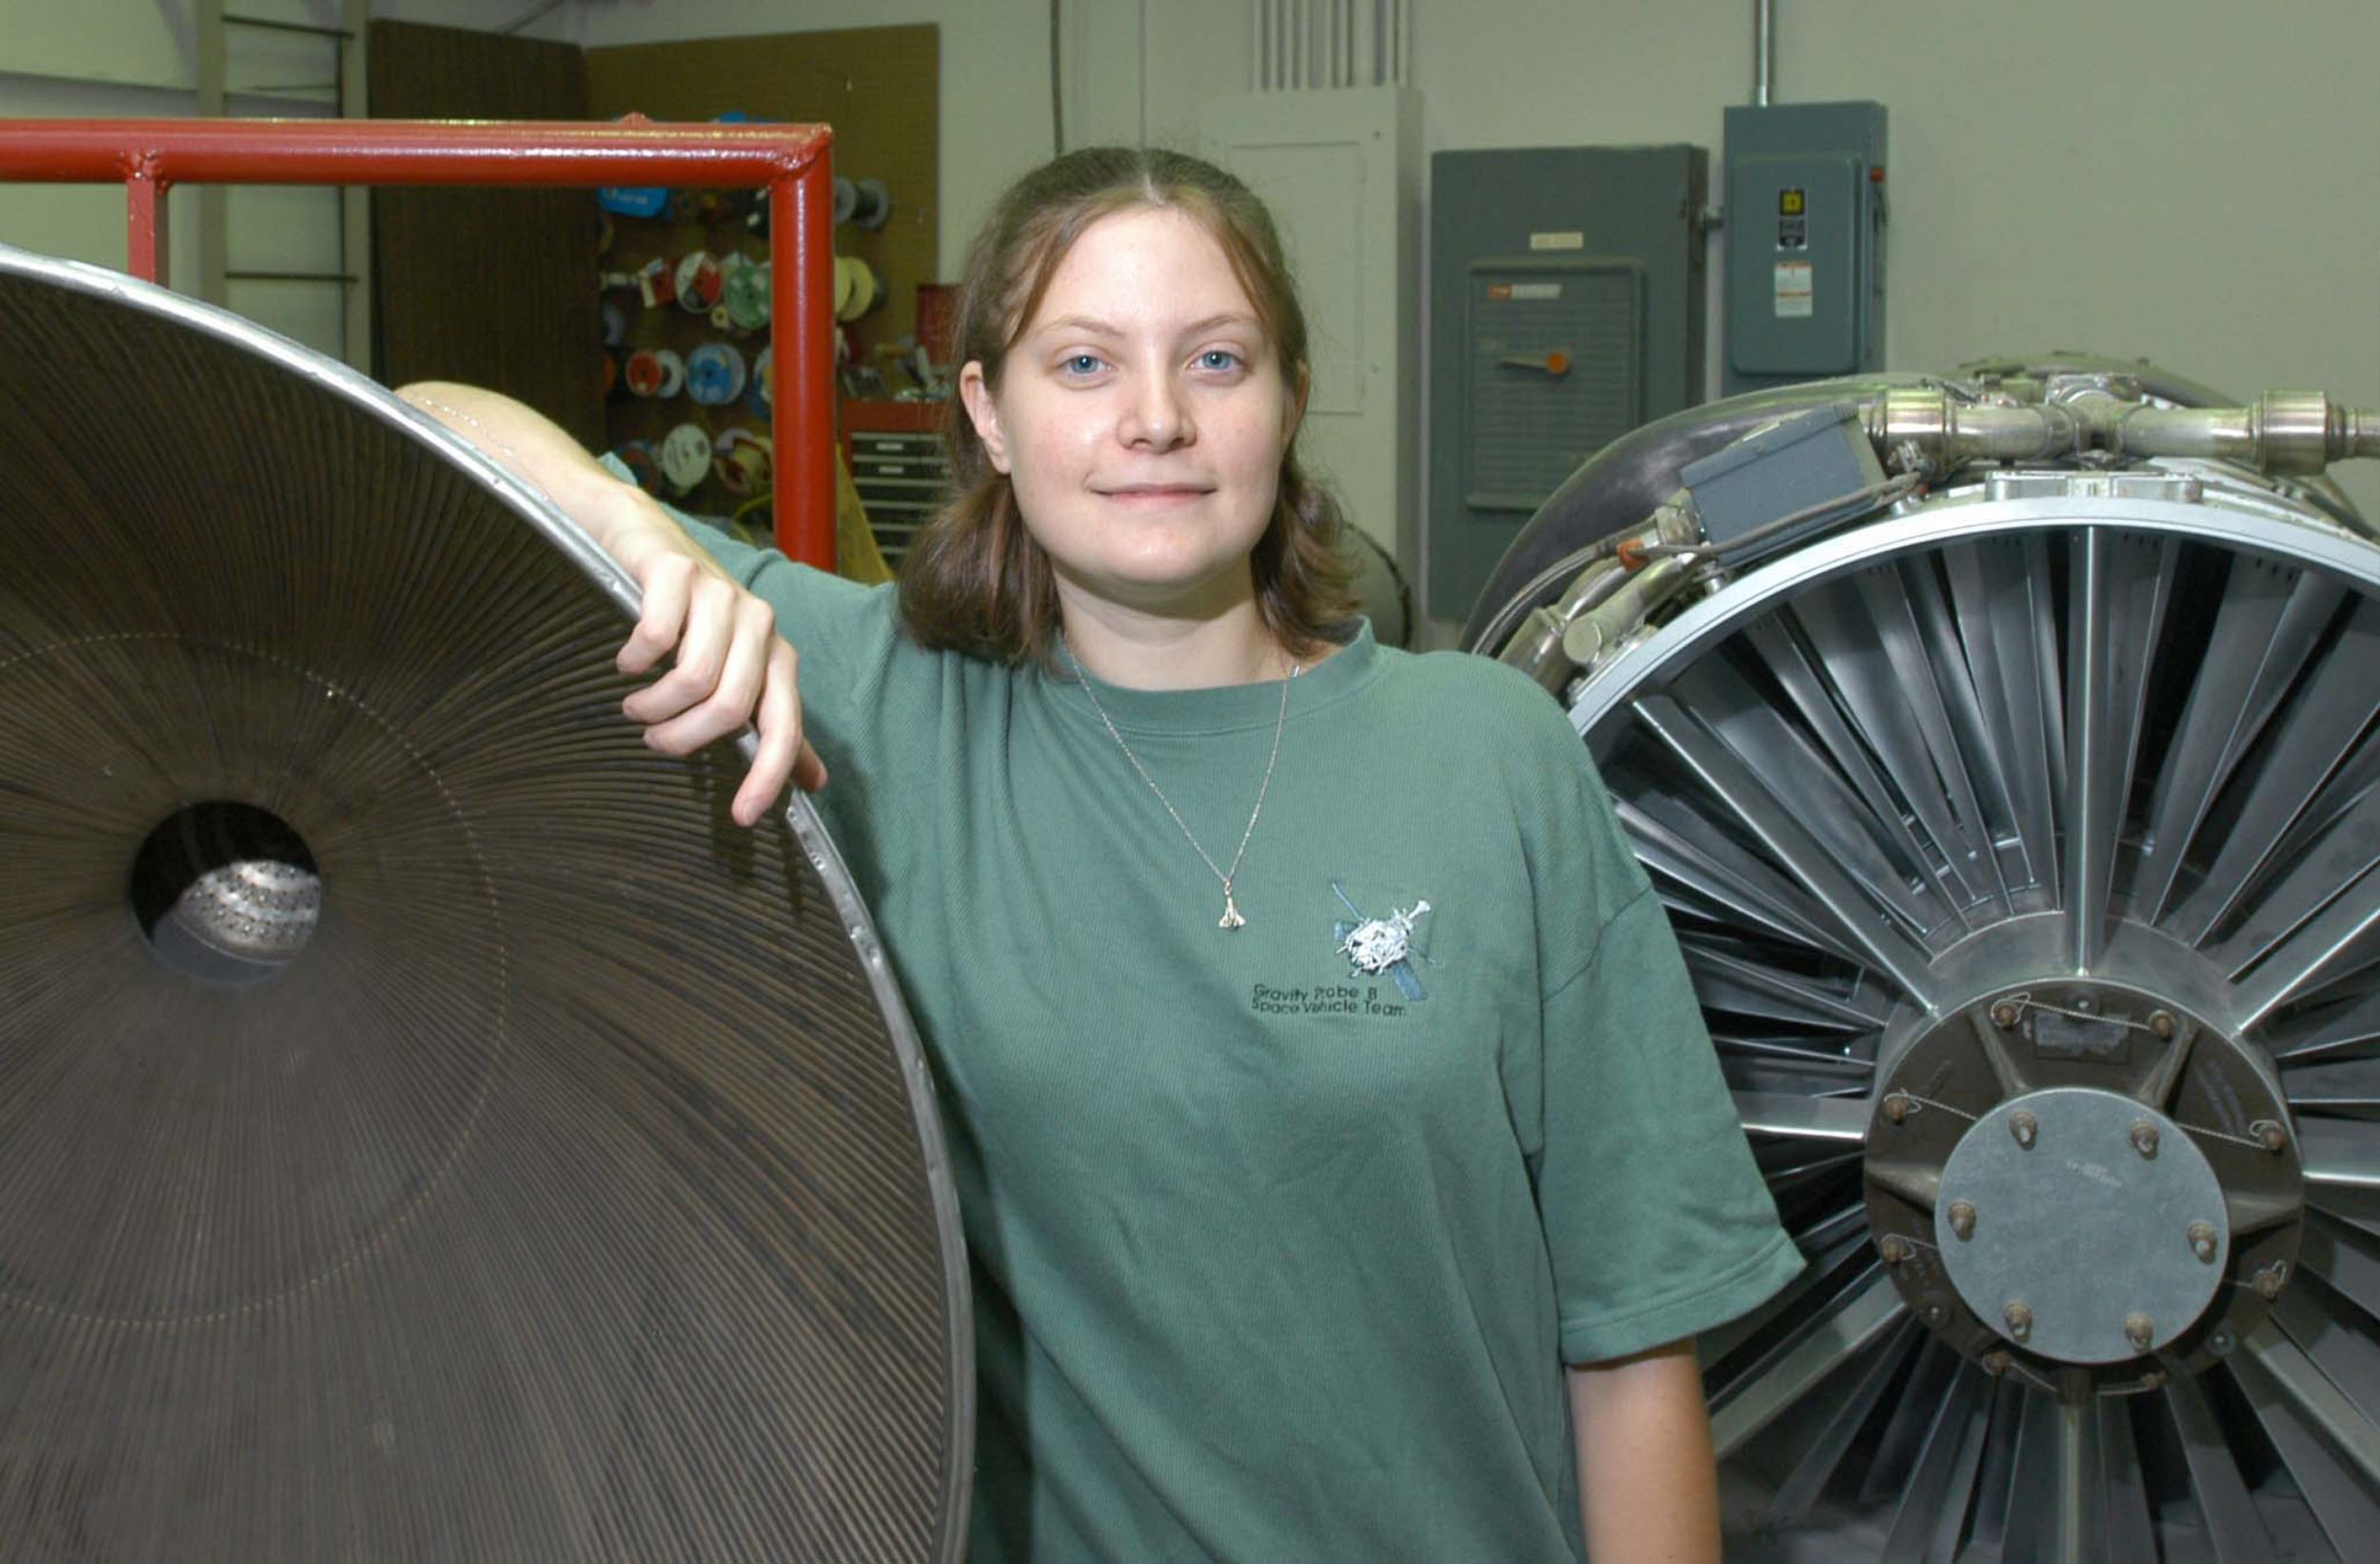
x: 1945, y: 431
x: 1537, y: 647
x: 2282, y: 433
x: 2297, y: 432
x: 1600, y: 629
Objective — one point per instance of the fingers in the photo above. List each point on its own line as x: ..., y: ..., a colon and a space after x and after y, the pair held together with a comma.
x: 713, y: 620
x: 667, y: 581
x: 731, y: 668
x: 781, y: 750
x: 716, y: 685
x: 809, y: 772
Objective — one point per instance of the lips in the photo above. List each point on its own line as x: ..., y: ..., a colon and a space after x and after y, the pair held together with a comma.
x: 1156, y: 493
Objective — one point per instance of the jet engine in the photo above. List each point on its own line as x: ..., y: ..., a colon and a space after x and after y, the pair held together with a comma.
x: 2005, y: 746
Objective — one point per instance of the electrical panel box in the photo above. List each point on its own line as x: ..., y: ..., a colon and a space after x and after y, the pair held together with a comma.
x: 1567, y: 296
x: 1804, y: 281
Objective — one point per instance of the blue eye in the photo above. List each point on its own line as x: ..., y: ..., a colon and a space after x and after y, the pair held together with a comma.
x: 1080, y: 364
x: 1219, y: 358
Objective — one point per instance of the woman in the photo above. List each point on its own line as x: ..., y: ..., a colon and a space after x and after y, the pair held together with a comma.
x: 1320, y: 1072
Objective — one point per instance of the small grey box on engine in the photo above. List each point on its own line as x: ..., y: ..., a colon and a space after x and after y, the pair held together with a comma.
x: 1795, y: 465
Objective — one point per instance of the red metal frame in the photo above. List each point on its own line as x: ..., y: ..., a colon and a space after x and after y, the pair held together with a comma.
x: 790, y: 162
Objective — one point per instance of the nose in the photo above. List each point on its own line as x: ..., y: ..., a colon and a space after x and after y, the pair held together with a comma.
x: 1156, y: 413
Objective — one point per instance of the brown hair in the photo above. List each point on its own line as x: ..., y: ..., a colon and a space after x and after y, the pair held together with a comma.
x: 975, y: 581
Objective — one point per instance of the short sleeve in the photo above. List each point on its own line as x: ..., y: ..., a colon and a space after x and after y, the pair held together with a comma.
x: 1655, y: 1217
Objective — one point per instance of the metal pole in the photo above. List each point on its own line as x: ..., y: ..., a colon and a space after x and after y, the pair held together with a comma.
x: 214, y: 199
x: 355, y: 203
x: 800, y: 224
x: 145, y: 253
x: 1763, y: 50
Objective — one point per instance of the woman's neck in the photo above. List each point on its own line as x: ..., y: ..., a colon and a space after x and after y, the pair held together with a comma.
x: 1121, y: 645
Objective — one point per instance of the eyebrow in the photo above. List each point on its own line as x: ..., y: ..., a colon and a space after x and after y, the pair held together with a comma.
x: 1109, y: 329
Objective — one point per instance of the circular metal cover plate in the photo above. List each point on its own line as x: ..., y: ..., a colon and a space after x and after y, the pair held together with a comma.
x: 2077, y: 1228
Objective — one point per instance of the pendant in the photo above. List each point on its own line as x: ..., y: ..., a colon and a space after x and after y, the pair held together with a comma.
x: 1231, y: 919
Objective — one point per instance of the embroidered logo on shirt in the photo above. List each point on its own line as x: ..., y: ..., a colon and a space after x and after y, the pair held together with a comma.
x: 1374, y: 947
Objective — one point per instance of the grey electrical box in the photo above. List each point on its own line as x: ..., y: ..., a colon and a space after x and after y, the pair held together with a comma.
x: 1567, y: 296
x: 1817, y: 464
x: 1804, y: 280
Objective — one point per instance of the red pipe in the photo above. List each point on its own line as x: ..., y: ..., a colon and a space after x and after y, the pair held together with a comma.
x: 145, y: 225
x: 148, y: 157
x: 802, y: 241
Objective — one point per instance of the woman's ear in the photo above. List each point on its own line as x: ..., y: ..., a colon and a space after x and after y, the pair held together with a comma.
x: 984, y: 414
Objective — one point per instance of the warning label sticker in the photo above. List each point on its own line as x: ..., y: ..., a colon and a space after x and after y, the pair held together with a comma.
x: 1793, y: 290
x: 1558, y: 239
x: 1504, y: 293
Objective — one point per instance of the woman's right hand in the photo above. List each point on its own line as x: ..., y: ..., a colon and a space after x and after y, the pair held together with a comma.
x: 731, y: 668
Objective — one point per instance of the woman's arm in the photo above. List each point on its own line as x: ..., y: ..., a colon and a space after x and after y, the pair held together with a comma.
x: 1646, y: 1474
x: 732, y: 668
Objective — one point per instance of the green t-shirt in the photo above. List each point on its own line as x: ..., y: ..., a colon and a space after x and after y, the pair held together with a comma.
x: 1275, y: 1260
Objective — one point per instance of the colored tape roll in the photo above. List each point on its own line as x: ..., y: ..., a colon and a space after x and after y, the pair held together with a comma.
x: 763, y: 387
x: 872, y: 204
x: 714, y: 374
x: 672, y: 372
x: 857, y: 291
x: 747, y: 300
x: 657, y: 281
x: 643, y: 372
x: 742, y: 462
x: 698, y: 282
x: 685, y: 457
x: 846, y: 283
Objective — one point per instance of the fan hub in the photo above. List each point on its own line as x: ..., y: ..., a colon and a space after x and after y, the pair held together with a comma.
x: 2080, y: 1174
x: 2066, y: 1222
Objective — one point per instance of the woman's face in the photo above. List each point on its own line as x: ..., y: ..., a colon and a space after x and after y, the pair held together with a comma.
x: 1141, y: 417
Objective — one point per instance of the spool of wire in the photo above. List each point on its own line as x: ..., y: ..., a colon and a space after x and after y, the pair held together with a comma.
x: 715, y: 374
x: 871, y: 206
x: 747, y: 300
x: 656, y: 283
x: 698, y: 282
x: 672, y: 372
x: 857, y: 288
x: 685, y: 457
x: 763, y: 387
x: 742, y: 462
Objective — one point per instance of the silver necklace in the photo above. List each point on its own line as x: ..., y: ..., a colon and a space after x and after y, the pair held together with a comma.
x: 1231, y: 919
